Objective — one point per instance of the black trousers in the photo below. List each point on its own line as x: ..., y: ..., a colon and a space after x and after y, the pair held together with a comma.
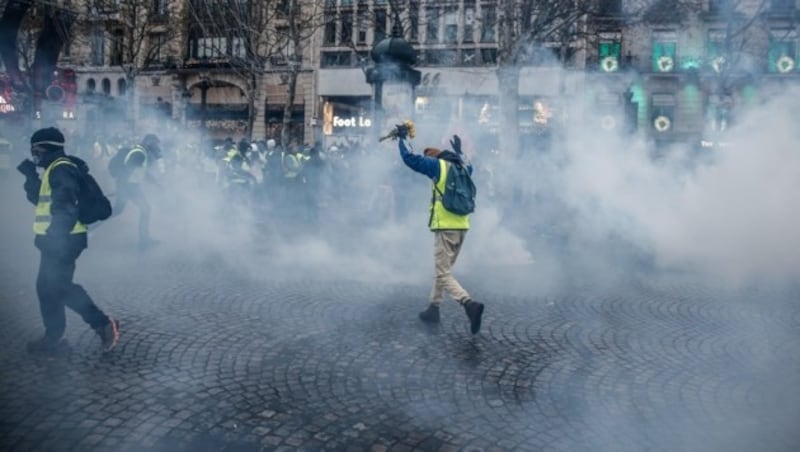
x: 56, y: 290
x: 133, y: 192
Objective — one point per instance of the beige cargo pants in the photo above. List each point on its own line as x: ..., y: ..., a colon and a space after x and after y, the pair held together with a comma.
x: 446, y: 247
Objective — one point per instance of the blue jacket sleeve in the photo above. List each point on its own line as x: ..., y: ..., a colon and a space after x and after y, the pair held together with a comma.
x: 424, y: 165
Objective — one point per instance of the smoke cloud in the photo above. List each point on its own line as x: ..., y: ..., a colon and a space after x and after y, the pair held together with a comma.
x: 608, y: 202
x: 593, y: 206
x: 592, y: 197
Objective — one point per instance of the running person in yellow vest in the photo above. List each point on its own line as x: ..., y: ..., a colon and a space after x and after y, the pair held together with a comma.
x: 449, y: 229
x: 137, y: 168
x: 60, y: 238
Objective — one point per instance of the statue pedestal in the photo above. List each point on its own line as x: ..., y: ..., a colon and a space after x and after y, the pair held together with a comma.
x: 393, y: 80
x: 397, y: 103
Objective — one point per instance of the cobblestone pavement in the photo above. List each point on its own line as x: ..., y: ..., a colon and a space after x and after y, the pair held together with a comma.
x: 211, y: 359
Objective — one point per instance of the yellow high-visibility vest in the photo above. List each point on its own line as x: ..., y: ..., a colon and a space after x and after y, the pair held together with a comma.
x: 233, y: 153
x: 138, y: 174
x: 291, y: 165
x: 441, y: 218
x: 43, y: 215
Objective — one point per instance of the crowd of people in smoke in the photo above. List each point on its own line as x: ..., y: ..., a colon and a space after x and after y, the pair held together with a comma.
x: 293, y: 183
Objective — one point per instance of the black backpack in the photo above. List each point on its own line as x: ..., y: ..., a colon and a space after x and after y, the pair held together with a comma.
x: 93, y: 205
x: 459, y: 191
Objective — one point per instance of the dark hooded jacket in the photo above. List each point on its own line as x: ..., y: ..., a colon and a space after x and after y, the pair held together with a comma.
x: 65, y: 182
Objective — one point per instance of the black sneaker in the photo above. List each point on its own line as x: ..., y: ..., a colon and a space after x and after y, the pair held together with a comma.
x: 474, y: 310
x: 430, y: 315
x: 109, y: 334
x: 47, y: 347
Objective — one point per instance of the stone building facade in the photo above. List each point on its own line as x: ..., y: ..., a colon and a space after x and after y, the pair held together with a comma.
x: 686, y: 68
x: 160, y: 65
x: 666, y: 69
x: 670, y: 70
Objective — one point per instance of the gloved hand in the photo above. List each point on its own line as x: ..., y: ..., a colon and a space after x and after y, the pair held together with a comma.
x: 401, y: 131
x: 27, y: 168
x: 455, y: 142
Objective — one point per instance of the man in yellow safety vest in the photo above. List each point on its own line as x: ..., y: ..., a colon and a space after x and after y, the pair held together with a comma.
x: 449, y: 228
x: 136, y: 168
x: 61, y: 238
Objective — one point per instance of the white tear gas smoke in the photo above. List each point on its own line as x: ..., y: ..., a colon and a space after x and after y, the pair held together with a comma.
x: 725, y: 213
x: 364, y: 218
x: 601, y: 199
x: 597, y: 197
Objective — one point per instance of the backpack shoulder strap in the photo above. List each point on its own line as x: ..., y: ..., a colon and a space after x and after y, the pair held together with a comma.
x: 442, y: 168
x: 62, y: 160
x: 57, y: 162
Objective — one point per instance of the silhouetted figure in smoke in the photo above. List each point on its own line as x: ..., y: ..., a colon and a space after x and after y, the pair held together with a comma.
x: 6, y: 148
x: 272, y: 157
x: 340, y: 174
x: 449, y: 228
x: 314, y: 171
x: 131, y: 168
x: 61, y: 238
x: 289, y: 198
x: 292, y: 164
x: 238, y: 179
x: 217, y: 156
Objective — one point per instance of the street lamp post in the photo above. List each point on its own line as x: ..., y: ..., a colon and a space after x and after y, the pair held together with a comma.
x: 205, y: 84
x: 393, y: 80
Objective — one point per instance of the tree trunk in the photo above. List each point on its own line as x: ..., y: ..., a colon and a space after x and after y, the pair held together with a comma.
x: 287, y: 108
x: 48, y: 47
x: 508, y: 77
x: 251, y: 103
x: 295, y: 61
x: 10, y: 21
x: 508, y: 82
x: 130, y: 97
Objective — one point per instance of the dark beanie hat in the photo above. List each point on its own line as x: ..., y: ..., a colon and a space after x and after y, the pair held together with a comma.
x: 432, y: 152
x: 50, y: 138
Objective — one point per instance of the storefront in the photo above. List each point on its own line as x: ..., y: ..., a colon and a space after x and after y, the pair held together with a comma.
x: 448, y: 100
x: 216, y: 108
x: 274, y: 123
x: 346, y: 120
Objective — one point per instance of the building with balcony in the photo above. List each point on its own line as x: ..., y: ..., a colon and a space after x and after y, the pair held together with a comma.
x: 671, y: 71
x: 457, y: 48
x: 221, y: 68
x: 668, y: 70
x: 682, y: 73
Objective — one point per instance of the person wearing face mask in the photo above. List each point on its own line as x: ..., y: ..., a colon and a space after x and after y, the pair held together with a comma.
x: 60, y: 238
x: 136, y: 168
